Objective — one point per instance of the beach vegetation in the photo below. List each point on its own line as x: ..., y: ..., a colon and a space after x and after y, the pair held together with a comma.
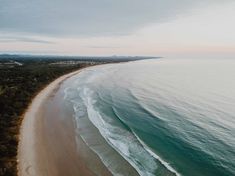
x: 18, y: 85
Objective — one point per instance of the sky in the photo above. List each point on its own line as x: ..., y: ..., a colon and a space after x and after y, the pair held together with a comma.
x: 167, y: 28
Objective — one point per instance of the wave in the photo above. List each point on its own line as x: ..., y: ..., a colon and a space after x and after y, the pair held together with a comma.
x: 167, y: 165
x: 119, y: 138
x: 124, y: 141
x: 159, y: 125
x: 114, y: 132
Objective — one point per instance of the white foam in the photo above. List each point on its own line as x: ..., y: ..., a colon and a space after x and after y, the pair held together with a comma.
x: 125, y: 143
x: 167, y: 165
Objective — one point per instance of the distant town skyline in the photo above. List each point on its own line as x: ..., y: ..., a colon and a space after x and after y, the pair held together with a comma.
x: 168, y: 28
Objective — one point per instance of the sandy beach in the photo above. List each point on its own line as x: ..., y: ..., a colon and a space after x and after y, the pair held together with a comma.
x: 47, y: 145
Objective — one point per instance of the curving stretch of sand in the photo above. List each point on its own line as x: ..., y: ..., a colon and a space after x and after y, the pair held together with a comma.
x: 47, y: 145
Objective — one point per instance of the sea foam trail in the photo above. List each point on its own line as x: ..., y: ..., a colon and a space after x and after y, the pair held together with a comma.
x: 122, y: 143
x: 90, y: 135
x: 157, y: 157
x: 119, y: 138
x: 159, y: 120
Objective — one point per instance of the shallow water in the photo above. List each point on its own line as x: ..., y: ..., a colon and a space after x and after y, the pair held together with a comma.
x: 163, y: 117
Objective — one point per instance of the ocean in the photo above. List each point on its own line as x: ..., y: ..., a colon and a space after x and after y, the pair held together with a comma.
x: 162, y: 117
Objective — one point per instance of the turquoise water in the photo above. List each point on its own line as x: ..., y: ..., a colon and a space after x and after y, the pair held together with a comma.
x: 164, y: 117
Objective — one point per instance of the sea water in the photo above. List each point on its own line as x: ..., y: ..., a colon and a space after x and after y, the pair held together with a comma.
x: 162, y: 116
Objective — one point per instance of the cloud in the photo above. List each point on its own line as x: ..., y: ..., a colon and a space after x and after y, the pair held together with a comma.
x: 88, y: 17
x: 6, y: 39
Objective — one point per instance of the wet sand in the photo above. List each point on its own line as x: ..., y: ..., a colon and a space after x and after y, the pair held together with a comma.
x: 47, y: 145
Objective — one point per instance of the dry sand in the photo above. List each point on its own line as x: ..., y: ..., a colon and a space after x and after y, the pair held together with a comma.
x: 47, y: 146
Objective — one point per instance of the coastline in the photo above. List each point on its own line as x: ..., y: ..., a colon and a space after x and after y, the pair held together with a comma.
x: 36, y: 154
x: 19, y: 85
x: 26, y: 136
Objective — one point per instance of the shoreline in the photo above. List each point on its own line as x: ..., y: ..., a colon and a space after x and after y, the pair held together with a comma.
x: 26, y: 147
x: 48, y: 140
